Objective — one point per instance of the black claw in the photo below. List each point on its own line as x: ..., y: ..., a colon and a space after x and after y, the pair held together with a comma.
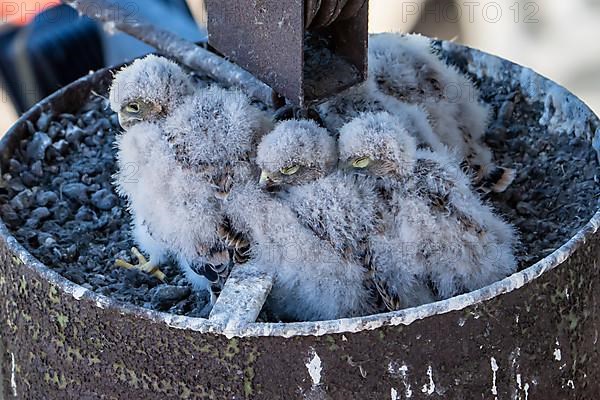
x: 206, y: 270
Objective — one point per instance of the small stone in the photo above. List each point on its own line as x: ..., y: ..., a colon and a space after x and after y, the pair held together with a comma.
x: 62, y: 146
x: 67, y: 117
x: 61, y: 212
x: 76, y: 192
x: 75, y: 276
x: 43, y: 122
x: 506, y: 111
x: 23, y: 200
x: 36, y: 169
x: 85, y: 214
x: 9, y: 215
x: 55, y: 130
x: 135, y: 278
x: 40, y: 213
x: 89, y: 117
x: 44, y: 198
x: 74, y: 134
x: 166, y: 296
x: 46, y: 239
x: 72, y: 251
x: 36, y: 149
x: 104, y: 199
x: 30, y: 127
x: 14, y: 166
x: 29, y: 179
x: 16, y: 185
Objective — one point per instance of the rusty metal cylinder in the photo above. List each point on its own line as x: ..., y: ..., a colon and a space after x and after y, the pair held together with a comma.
x: 533, y: 335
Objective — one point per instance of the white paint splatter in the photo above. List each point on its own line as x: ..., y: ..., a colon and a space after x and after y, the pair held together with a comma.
x: 314, y: 368
x: 526, y: 388
x: 391, y: 368
x: 519, y: 383
x: 13, y: 375
x: 429, y: 388
x: 394, y: 394
x: 517, y: 318
x: 407, y: 390
x: 462, y: 322
x: 494, y: 371
x: 557, y: 355
x: 78, y: 292
x: 395, y: 370
x: 571, y: 384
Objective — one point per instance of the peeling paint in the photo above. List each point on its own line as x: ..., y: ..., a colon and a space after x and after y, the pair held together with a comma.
x: 557, y: 355
x: 394, y: 394
x: 495, y: 368
x: 429, y: 388
x: 13, y: 375
x: 404, y: 373
x: 571, y: 384
x: 314, y: 368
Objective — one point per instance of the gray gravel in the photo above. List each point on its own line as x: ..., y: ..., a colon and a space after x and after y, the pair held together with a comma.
x: 57, y: 198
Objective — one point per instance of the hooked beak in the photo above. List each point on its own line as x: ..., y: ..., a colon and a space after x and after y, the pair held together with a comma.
x: 266, y: 182
x: 264, y: 178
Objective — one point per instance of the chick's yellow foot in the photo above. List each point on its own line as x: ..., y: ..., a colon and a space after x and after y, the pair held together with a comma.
x: 142, y: 265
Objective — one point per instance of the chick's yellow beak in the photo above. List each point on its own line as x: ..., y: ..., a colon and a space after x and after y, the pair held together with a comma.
x: 264, y: 178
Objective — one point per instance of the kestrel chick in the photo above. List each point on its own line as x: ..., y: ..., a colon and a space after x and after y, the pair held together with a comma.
x: 405, y: 67
x: 445, y: 234
x: 308, y: 232
x: 149, y: 90
x: 185, y: 167
x: 368, y: 98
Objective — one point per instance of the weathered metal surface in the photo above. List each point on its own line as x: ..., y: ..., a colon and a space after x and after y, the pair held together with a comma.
x: 269, y: 39
x: 533, y: 335
x: 242, y: 298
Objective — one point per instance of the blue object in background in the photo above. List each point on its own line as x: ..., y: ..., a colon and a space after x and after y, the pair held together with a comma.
x: 59, y: 46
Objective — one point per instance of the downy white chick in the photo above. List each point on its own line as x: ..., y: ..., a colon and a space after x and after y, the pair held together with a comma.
x: 149, y: 90
x: 185, y: 167
x: 310, y: 232
x: 405, y: 67
x: 146, y: 91
x: 366, y: 97
x: 441, y: 226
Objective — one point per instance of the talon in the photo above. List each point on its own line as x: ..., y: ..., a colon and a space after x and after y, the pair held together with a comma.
x: 143, y: 265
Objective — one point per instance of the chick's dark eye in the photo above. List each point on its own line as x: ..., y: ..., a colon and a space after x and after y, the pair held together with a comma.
x: 132, y: 108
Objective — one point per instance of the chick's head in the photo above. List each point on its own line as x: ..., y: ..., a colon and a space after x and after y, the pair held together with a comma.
x: 375, y: 144
x: 148, y: 90
x: 296, y: 152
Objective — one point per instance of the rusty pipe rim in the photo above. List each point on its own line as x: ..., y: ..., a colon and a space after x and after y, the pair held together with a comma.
x: 287, y: 330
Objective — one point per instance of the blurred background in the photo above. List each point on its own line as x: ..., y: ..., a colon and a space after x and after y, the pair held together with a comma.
x: 45, y: 45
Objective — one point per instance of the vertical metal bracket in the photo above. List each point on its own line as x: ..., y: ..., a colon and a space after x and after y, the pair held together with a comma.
x: 306, y: 50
